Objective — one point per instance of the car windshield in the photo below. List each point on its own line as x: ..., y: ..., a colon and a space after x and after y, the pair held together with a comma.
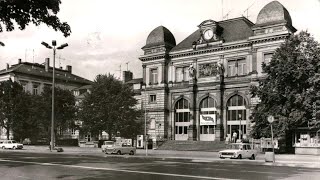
x: 108, y: 143
x: 234, y: 146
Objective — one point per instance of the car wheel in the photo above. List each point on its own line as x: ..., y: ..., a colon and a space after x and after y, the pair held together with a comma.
x: 239, y: 156
x: 131, y: 153
x: 119, y: 152
x: 252, y: 157
x: 13, y: 147
x: 3, y: 147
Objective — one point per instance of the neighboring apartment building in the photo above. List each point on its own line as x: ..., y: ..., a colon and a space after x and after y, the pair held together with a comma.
x: 199, y: 89
x: 34, y: 77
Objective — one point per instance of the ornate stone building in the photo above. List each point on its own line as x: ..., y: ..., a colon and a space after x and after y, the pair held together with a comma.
x: 199, y: 89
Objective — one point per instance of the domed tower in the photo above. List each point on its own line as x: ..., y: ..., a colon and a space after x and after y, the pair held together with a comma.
x: 155, y: 76
x: 273, y: 18
x: 159, y: 42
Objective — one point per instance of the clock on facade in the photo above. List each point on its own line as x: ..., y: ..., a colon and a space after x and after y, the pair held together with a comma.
x: 208, y: 34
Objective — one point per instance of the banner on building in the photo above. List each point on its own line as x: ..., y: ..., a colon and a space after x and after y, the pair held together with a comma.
x: 207, y: 119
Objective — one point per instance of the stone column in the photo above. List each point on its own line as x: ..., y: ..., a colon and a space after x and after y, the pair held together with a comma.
x: 219, y: 130
x: 192, y: 130
x: 163, y: 72
x: 144, y: 73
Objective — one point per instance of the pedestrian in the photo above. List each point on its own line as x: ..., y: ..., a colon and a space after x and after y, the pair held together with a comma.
x: 234, y: 135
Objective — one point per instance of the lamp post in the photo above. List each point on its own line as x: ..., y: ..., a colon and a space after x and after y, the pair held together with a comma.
x: 54, y: 44
x: 145, y: 120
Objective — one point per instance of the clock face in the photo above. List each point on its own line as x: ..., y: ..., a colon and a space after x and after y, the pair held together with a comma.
x: 208, y: 34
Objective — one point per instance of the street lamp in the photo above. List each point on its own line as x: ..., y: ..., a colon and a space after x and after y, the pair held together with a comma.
x: 54, y: 44
x: 145, y: 119
x: 1, y: 43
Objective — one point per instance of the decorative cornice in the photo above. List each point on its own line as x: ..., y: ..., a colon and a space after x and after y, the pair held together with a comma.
x: 204, y: 51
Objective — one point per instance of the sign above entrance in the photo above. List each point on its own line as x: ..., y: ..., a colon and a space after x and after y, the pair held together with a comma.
x: 207, y: 119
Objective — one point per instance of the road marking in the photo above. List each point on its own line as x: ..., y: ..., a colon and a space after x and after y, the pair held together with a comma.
x: 118, y: 170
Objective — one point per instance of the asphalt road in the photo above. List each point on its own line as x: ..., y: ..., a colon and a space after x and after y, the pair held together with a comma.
x: 17, y: 166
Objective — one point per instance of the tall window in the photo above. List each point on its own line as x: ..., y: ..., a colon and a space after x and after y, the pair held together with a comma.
x: 237, y: 67
x: 154, y: 76
x: 182, y: 74
x: 182, y: 111
x: 208, y: 114
x: 236, y: 108
x: 35, y: 90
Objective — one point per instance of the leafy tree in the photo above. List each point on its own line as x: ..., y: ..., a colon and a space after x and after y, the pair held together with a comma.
x: 290, y: 87
x: 12, y: 101
x: 64, y: 107
x: 110, y: 108
x: 24, y: 12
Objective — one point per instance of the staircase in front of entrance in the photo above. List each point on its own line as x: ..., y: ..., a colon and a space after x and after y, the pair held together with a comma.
x: 192, y: 145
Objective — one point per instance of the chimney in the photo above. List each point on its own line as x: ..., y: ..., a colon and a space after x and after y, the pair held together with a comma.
x: 47, y: 64
x: 69, y: 69
x: 7, y: 66
x: 127, y: 76
x: 19, y: 61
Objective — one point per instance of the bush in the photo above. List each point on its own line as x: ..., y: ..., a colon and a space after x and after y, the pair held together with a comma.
x: 67, y: 142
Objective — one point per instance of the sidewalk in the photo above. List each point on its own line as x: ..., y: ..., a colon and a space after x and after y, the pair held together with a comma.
x: 291, y: 160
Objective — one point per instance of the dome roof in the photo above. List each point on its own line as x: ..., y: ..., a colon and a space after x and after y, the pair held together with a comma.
x: 160, y: 36
x: 273, y: 13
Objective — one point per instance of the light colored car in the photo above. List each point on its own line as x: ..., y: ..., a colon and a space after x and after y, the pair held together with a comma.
x: 239, y: 151
x: 11, y: 144
x: 107, y: 144
x: 121, y: 149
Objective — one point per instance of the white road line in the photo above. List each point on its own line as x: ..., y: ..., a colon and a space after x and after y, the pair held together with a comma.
x: 118, y: 170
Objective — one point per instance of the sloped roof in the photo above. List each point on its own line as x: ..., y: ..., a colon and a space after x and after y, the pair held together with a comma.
x: 35, y: 69
x: 233, y: 30
x: 135, y: 81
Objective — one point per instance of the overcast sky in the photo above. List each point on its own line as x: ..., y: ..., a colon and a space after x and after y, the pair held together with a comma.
x: 110, y: 33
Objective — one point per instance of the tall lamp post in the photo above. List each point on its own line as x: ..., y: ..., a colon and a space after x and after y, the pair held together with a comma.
x: 54, y: 44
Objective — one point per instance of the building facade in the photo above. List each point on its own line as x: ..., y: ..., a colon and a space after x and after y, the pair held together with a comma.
x: 34, y: 77
x: 199, y: 89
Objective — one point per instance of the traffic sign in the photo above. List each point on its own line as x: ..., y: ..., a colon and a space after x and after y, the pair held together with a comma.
x: 270, y: 119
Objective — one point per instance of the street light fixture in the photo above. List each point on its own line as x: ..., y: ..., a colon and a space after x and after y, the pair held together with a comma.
x: 54, y: 44
x: 1, y: 43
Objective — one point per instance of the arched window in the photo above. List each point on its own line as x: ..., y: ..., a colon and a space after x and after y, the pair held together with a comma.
x: 182, y: 116
x: 208, y: 113
x: 236, y: 114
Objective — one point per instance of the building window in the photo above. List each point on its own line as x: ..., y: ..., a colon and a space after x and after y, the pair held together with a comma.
x: 153, y: 98
x: 237, y: 67
x: 267, y: 58
x: 182, y: 113
x: 237, y: 113
x: 182, y: 74
x: 181, y: 130
x: 152, y: 124
x: 154, y: 76
x: 35, y: 90
x: 208, y: 115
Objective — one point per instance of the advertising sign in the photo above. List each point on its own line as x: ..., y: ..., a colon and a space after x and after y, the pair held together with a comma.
x: 207, y: 119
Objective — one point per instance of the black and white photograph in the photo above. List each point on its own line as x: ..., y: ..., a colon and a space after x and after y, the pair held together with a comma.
x: 159, y: 89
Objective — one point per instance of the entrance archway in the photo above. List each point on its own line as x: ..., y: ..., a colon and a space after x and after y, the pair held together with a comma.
x: 182, y: 119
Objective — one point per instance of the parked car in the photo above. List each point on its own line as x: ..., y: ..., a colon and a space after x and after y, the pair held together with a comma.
x: 107, y: 144
x: 239, y: 151
x: 121, y: 149
x: 11, y: 144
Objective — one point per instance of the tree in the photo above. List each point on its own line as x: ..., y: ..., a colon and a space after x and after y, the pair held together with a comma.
x: 290, y: 87
x: 64, y: 106
x: 110, y: 108
x: 24, y: 12
x: 12, y: 101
